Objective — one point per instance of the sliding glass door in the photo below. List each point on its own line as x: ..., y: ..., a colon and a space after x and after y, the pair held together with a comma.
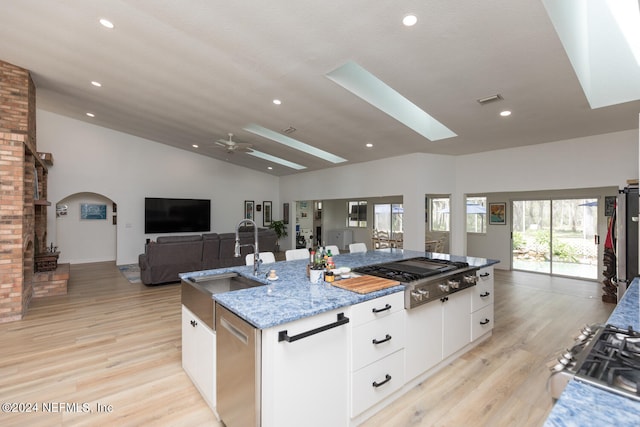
x: 531, y: 235
x: 556, y: 237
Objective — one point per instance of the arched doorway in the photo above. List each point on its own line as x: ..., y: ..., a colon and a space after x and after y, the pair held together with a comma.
x: 85, y: 228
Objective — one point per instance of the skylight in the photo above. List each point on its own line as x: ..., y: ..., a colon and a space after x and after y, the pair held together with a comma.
x: 601, y: 41
x: 293, y: 143
x: 275, y: 159
x: 365, y: 85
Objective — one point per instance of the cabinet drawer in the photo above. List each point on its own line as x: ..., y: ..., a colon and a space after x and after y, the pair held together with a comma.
x: 373, y: 383
x: 481, y: 322
x: 376, y: 308
x: 482, y: 295
x: 483, y: 291
x: 377, y: 339
x: 485, y: 275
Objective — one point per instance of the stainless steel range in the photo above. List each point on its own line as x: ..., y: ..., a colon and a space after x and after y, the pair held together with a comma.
x: 425, y: 279
x: 605, y: 356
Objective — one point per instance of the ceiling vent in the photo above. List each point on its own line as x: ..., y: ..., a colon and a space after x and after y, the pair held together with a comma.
x: 289, y: 130
x: 489, y: 99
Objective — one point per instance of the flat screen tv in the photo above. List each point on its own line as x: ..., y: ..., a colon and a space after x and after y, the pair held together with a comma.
x: 162, y: 215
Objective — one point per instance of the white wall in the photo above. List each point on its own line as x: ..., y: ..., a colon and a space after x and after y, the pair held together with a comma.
x: 410, y: 177
x: 594, y: 161
x: 126, y: 169
x: 85, y: 240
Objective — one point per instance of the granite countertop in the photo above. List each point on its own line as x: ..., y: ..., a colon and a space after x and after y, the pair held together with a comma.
x: 293, y: 297
x: 582, y: 404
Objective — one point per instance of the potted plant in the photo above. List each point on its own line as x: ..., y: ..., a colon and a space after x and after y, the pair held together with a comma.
x: 281, y: 231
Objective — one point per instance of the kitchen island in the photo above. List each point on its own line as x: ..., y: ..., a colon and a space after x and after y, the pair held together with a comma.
x: 329, y: 356
x: 582, y: 404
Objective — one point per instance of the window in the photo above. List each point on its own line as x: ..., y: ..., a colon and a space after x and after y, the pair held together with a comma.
x: 476, y: 214
x: 388, y: 217
x: 357, y: 214
x: 438, y: 217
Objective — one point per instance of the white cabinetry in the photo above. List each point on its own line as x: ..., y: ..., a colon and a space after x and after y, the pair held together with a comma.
x: 199, y: 355
x: 482, y: 304
x: 340, y: 238
x: 305, y: 380
x: 423, y: 348
x: 377, y: 350
x: 436, y: 330
x: 456, y: 315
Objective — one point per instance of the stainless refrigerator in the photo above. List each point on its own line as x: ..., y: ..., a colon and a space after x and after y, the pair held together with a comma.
x: 627, y: 237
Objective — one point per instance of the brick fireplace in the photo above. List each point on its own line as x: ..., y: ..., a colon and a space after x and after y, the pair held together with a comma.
x: 23, y: 192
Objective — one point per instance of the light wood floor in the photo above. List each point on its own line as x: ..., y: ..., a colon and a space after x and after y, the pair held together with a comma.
x: 110, y: 342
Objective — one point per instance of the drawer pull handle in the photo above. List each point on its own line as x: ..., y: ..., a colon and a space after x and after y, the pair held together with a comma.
x: 380, y: 310
x: 386, y: 338
x: 387, y: 378
x: 341, y: 320
x: 486, y: 294
x: 484, y: 275
x: 194, y: 323
x: 484, y: 322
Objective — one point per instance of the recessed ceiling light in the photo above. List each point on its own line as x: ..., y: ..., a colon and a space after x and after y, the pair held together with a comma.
x: 96, y: 84
x: 270, y: 168
x: 505, y: 113
x: 277, y: 101
x: 106, y: 23
x: 369, y: 145
x: 195, y: 145
x: 409, y: 20
x: 91, y: 115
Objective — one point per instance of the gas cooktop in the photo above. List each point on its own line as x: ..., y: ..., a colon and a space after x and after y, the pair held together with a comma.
x: 411, y: 269
x: 613, y: 362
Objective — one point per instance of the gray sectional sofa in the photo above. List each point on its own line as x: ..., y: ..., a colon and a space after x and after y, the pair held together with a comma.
x: 168, y: 256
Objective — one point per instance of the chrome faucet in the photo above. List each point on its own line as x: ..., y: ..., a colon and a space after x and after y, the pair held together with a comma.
x: 256, y: 251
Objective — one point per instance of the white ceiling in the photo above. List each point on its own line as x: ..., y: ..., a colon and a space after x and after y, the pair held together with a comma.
x: 192, y: 71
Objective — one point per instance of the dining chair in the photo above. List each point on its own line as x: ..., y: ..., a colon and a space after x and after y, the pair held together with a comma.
x: 357, y: 247
x: 333, y: 248
x: 292, y: 254
x: 397, y: 240
x: 383, y: 240
x: 265, y: 257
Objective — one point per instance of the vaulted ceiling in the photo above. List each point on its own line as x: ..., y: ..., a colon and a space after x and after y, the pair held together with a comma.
x: 190, y: 72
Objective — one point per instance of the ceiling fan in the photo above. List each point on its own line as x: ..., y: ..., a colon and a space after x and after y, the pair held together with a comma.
x: 231, y: 146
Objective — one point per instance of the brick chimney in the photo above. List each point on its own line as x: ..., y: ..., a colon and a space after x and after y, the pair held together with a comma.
x: 20, y: 216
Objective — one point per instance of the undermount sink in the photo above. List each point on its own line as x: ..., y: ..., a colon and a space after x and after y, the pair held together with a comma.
x: 197, y: 292
x: 225, y: 282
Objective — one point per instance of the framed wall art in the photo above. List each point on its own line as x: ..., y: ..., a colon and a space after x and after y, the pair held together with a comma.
x: 266, y: 214
x: 285, y: 213
x: 93, y: 211
x: 497, y: 213
x: 248, y: 210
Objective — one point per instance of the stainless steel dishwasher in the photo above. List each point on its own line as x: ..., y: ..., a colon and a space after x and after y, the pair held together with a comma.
x: 238, y: 370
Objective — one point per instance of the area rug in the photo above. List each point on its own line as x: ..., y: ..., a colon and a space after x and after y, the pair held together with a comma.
x: 131, y: 272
